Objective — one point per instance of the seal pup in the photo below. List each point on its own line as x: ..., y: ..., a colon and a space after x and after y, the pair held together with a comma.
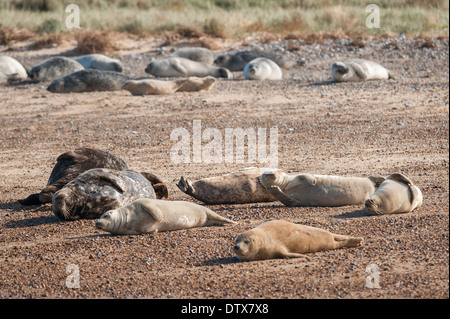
x: 238, y: 60
x: 181, y: 67
x: 262, y: 69
x: 98, y: 190
x: 282, y: 239
x: 196, y: 84
x: 99, y: 62
x: 319, y: 190
x: 238, y: 187
x: 358, y: 70
x: 53, y: 68
x: 71, y: 164
x: 155, y: 215
x: 11, y: 69
x: 88, y: 81
x: 152, y: 86
x: 397, y: 194
x: 198, y: 54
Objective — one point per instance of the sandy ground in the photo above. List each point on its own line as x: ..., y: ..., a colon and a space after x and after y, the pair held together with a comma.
x: 348, y: 129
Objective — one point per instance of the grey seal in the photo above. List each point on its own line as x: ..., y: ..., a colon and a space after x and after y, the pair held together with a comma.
x: 11, y: 69
x: 182, y: 67
x: 98, y: 190
x: 53, y: 68
x: 262, y: 69
x: 100, y: 62
x: 198, y: 54
x: 358, y: 70
x: 71, y: 164
x: 88, y: 81
x: 238, y: 60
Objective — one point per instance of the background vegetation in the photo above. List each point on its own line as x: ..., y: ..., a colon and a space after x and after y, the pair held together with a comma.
x: 226, y: 18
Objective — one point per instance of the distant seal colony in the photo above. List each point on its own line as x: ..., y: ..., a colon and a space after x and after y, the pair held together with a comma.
x: 282, y: 239
x: 397, y: 194
x: 358, y: 70
x: 153, y: 215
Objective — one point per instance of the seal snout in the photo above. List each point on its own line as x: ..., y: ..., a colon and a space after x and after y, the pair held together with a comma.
x: 61, y: 205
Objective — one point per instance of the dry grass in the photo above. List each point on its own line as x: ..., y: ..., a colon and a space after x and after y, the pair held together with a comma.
x: 9, y: 35
x: 48, y: 41
x: 97, y: 41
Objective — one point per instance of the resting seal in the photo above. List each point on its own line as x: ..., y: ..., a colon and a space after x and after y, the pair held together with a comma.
x: 88, y: 81
x: 53, y: 68
x: 196, y: 84
x: 358, y: 70
x: 262, y: 69
x: 180, y: 67
x: 152, y: 86
x: 397, y: 194
x: 154, y: 215
x: 282, y: 239
x: 71, y: 164
x: 99, y: 62
x: 98, y: 190
x: 238, y: 187
x: 11, y: 69
x: 238, y: 60
x: 319, y: 190
x: 203, y: 55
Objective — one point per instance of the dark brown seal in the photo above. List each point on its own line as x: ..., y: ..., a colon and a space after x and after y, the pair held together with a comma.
x: 98, y: 190
x: 71, y: 164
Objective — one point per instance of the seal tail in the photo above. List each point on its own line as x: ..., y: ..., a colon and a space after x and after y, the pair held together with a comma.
x: 346, y: 241
x: 185, y: 186
x: 33, y: 199
x: 216, y: 219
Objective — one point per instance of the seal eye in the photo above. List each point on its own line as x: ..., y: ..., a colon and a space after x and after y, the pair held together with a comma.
x: 247, y: 241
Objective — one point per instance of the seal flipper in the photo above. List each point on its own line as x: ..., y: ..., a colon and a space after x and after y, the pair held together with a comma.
x: 117, y: 183
x: 282, y: 197
x: 308, y: 178
x: 400, y: 178
x: 33, y: 199
x: 359, y: 71
x: 377, y: 180
x: 158, y: 184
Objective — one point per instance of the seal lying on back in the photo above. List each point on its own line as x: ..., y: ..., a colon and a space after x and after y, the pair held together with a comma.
x: 319, y: 190
x: 71, y: 164
x: 203, y: 55
x: 180, y: 67
x: 98, y: 190
x: 99, y: 62
x: 282, y: 239
x: 53, y: 68
x: 358, y: 70
x: 11, y: 69
x: 88, y: 81
x: 238, y: 60
x: 397, y: 194
x: 262, y: 69
x: 154, y: 215
x: 238, y: 187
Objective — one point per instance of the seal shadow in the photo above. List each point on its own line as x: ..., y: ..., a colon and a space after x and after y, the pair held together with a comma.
x: 34, y: 221
x: 221, y: 261
x: 355, y: 214
x: 330, y: 82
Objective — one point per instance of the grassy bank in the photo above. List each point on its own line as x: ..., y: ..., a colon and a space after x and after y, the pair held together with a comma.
x: 231, y: 18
